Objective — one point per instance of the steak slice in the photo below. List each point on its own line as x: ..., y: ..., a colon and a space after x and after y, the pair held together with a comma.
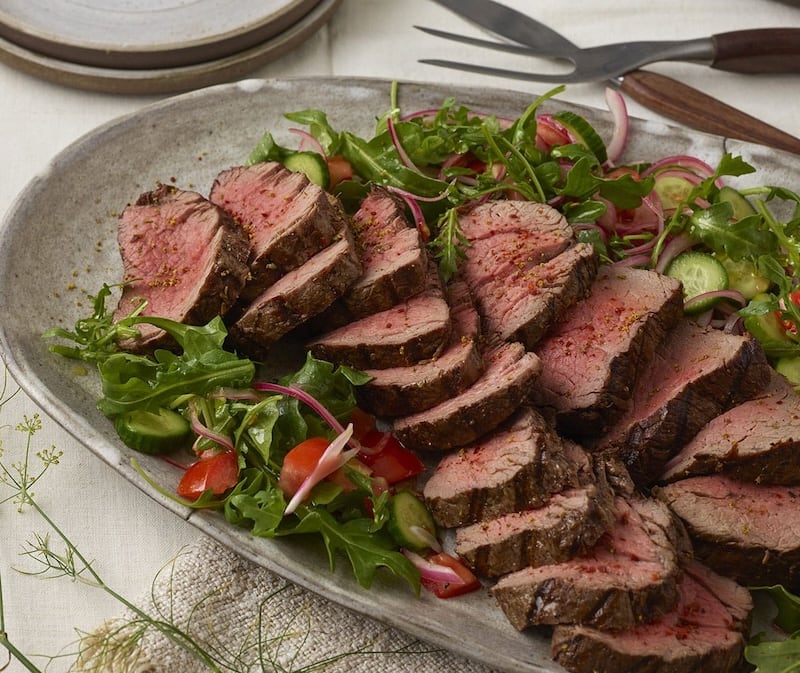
x: 392, y: 253
x: 705, y: 633
x: 757, y: 441
x: 590, y: 359
x: 415, y: 330
x: 400, y: 391
x: 514, y: 468
x: 183, y: 256
x: 629, y: 577
x: 287, y: 218
x: 495, y: 396
x: 296, y: 297
x: 696, y: 375
x: 749, y: 532
x: 568, y: 525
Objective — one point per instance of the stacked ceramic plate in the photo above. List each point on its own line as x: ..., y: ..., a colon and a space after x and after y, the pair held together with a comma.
x: 152, y: 46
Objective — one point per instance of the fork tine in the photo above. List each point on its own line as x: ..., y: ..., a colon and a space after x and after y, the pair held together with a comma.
x: 488, y: 44
x: 567, y: 78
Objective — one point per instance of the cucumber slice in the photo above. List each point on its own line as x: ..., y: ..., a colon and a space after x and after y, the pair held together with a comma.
x: 741, y: 206
x: 312, y: 164
x: 406, y: 514
x: 744, y: 277
x: 790, y: 368
x: 152, y: 432
x: 672, y: 190
x: 699, y: 273
x: 584, y: 133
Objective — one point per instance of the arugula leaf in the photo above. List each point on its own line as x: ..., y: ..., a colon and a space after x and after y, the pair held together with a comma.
x: 788, y: 604
x: 775, y: 656
x: 738, y: 239
x: 133, y: 381
x: 319, y: 127
x: 366, y: 549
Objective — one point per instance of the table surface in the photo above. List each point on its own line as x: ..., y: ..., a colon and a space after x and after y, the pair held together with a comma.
x: 127, y: 534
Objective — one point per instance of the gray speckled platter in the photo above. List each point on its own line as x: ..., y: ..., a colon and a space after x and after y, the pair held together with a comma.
x: 58, y: 244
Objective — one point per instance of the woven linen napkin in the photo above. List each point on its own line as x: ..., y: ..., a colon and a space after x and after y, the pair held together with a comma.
x: 253, y: 620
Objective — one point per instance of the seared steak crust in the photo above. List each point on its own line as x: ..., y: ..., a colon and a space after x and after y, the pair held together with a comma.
x: 705, y: 633
x: 157, y: 235
x: 517, y: 467
x: 568, y: 525
x: 296, y: 297
x: 749, y: 532
x: 590, y: 359
x: 756, y: 441
x: 696, y: 375
x: 415, y: 330
x: 287, y: 219
x: 501, y: 389
x: 400, y: 391
x: 629, y: 577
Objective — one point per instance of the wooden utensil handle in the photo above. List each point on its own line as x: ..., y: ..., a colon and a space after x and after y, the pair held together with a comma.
x: 758, y: 51
x: 702, y: 112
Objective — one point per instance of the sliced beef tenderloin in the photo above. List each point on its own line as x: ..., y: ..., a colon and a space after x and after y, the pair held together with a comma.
x: 757, y: 441
x: 414, y: 330
x: 518, y: 466
x: 630, y: 576
x: 400, y: 391
x: 523, y: 267
x: 287, y: 218
x: 392, y: 253
x: 508, y: 373
x: 524, y: 305
x: 695, y: 375
x: 567, y: 525
x: 590, y: 359
x: 296, y: 297
x: 705, y: 633
x: 183, y: 256
x: 749, y: 532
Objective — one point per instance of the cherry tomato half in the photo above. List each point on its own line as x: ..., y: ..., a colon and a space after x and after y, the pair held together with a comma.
x: 393, y: 462
x: 446, y: 589
x: 216, y: 473
x: 300, y: 462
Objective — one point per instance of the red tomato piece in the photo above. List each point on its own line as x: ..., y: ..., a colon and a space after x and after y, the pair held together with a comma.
x: 339, y: 169
x: 217, y: 473
x: 393, y: 462
x: 300, y: 462
x: 447, y: 589
x: 362, y: 422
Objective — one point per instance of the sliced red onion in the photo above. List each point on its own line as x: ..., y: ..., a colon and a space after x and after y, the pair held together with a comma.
x: 399, y: 147
x: 202, y: 431
x: 671, y: 250
x: 619, y: 113
x: 685, y: 161
x: 633, y: 260
x: 733, y: 295
x: 310, y: 139
x: 330, y: 461
x: 433, y: 571
x: 704, y: 319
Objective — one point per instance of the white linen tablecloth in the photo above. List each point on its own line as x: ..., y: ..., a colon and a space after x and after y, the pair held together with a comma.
x: 127, y: 535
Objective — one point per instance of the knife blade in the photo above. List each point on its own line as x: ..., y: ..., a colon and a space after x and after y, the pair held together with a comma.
x: 659, y: 93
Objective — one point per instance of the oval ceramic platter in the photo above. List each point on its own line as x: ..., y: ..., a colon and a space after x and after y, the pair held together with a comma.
x: 58, y: 246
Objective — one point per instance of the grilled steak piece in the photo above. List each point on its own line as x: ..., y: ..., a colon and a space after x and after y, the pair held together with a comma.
x: 494, y: 397
x: 705, y: 633
x: 568, y: 525
x: 393, y: 255
x: 629, y: 577
x: 511, y: 270
x: 757, y: 441
x: 181, y: 254
x: 516, y: 467
x: 415, y: 330
x: 287, y: 218
x: 696, y: 375
x: 590, y: 359
x: 400, y: 391
x: 749, y: 532
x: 524, y: 305
x: 297, y: 296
